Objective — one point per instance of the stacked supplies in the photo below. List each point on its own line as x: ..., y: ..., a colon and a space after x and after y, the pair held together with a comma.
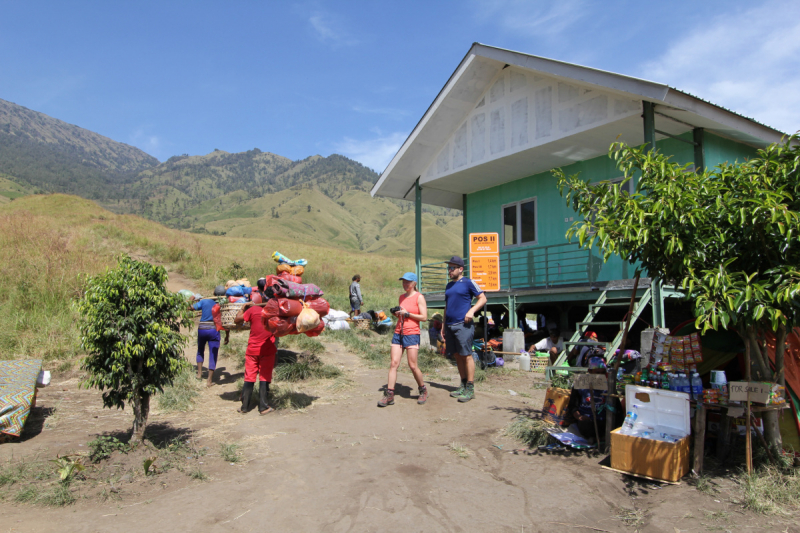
x: 293, y: 307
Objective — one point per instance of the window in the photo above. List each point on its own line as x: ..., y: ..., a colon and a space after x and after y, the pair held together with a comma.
x: 519, y: 223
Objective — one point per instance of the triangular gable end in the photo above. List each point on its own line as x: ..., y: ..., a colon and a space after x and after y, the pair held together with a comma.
x: 519, y: 111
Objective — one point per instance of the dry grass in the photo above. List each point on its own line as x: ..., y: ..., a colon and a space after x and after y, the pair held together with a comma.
x: 770, y: 490
x: 528, y: 431
x: 59, y: 240
x: 460, y: 450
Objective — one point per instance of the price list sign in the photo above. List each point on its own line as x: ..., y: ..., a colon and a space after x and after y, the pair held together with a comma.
x: 484, y: 260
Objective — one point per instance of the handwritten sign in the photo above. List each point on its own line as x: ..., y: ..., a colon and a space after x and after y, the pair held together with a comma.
x: 759, y: 392
x: 485, y: 271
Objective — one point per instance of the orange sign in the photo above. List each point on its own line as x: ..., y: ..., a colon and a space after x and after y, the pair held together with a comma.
x: 483, y: 244
x: 485, y: 271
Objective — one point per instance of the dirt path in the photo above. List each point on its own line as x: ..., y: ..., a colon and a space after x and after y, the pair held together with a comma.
x: 342, y: 464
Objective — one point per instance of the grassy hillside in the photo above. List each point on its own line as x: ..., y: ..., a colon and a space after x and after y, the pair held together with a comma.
x: 54, y: 156
x: 59, y: 240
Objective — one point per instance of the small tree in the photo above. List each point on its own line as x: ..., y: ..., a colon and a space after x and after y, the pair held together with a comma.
x: 130, y: 327
x: 725, y: 236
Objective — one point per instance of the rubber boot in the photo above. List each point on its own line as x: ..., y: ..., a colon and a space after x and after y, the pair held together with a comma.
x: 263, y: 391
x: 247, y: 392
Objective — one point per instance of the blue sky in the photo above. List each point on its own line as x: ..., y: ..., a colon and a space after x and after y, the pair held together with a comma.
x: 305, y: 78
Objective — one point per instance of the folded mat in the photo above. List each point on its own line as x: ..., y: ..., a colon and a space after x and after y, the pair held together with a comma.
x: 17, y: 387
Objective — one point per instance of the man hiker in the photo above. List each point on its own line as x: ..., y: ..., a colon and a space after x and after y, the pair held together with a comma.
x: 356, y: 300
x: 459, y: 327
x: 259, y: 358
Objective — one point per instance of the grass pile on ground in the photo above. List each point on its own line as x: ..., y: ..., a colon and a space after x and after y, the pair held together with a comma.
x: 528, y: 431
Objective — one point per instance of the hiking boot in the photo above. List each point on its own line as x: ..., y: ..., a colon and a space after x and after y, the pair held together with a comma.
x: 459, y: 391
x: 388, y: 399
x: 423, y: 395
x: 469, y: 394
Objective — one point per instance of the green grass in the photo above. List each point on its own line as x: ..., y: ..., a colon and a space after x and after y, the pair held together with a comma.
x: 230, y: 452
x: 181, y: 395
x: 303, y: 343
x: 373, y: 348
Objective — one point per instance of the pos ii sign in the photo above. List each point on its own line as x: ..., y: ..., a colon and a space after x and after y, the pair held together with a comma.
x: 484, y: 260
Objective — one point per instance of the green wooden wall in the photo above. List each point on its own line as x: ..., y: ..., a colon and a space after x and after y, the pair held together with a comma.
x: 567, y: 263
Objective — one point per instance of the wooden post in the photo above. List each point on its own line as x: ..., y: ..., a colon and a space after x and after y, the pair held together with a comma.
x: 747, y: 438
x: 594, y: 414
x: 612, y: 378
x: 699, y: 438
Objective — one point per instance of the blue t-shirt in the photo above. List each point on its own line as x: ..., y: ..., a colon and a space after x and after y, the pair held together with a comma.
x: 458, y: 297
x: 205, y: 306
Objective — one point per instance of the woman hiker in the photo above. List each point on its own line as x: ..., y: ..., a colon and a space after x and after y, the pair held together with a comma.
x: 411, y: 311
x: 208, y: 333
x: 259, y: 358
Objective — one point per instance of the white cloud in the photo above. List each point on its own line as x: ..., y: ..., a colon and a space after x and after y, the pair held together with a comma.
x: 375, y: 153
x: 747, y: 61
x: 330, y: 29
x: 534, y: 19
x: 146, y: 142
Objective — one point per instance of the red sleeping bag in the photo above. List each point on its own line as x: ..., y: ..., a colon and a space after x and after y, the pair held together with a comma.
x: 287, y: 307
x: 317, y: 330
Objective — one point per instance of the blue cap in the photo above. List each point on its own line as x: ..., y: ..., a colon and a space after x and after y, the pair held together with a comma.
x: 409, y: 276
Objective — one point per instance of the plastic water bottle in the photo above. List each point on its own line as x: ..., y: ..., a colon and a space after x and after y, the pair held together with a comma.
x: 630, y: 420
x: 686, y: 385
x: 697, y: 385
x: 673, y: 381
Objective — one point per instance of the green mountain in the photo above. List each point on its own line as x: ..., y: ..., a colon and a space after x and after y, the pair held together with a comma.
x: 45, y: 154
x: 317, y: 200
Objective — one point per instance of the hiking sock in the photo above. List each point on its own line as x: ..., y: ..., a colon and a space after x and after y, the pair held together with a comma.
x: 263, y: 390
x: 247, y: 392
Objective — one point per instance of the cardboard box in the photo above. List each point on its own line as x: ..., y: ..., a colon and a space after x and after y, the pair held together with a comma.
x: 556, y: 406
x: 647, y: 457
x: 668, y: 461
x: 759, y: 392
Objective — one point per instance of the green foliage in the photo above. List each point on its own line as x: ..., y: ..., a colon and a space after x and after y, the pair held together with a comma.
x: 130, y: 327
x: 67, y: 466
x: 102, y: 447
x: 726, y: 235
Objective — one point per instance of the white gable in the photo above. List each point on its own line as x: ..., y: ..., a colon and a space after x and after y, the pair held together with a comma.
x: 520, y: 111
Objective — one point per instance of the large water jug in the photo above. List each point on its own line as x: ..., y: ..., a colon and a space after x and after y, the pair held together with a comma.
x: 524, y: 361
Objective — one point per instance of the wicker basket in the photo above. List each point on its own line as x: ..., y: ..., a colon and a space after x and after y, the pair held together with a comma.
x: 538, y: 364
x: 361, y: 323
x: 229, y: 312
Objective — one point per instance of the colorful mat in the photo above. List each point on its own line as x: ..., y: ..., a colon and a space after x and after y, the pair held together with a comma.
x: 17, y: 387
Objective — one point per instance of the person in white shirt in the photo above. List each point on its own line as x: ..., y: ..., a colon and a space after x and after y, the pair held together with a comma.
x: 552, y: 345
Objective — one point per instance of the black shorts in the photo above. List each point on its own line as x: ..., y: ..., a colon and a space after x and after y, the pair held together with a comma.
x: 458, y: 338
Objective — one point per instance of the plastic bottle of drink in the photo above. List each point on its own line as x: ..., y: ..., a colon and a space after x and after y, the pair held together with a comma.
x: 675, y: 381
x: 697, y: 385
x: 665, y: 384
x: 686, y: 385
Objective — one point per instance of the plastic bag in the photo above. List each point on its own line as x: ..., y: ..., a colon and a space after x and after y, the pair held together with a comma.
x: 290, y: 277
x: 320, y: 305
x: 244, y: 282
x: 230, y: 283
x: 317, y: 330
x: 308, y: 319
x: 281, y: 326
x: 187, y: 294
x: 281, y: 307
x: 296, y: 270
